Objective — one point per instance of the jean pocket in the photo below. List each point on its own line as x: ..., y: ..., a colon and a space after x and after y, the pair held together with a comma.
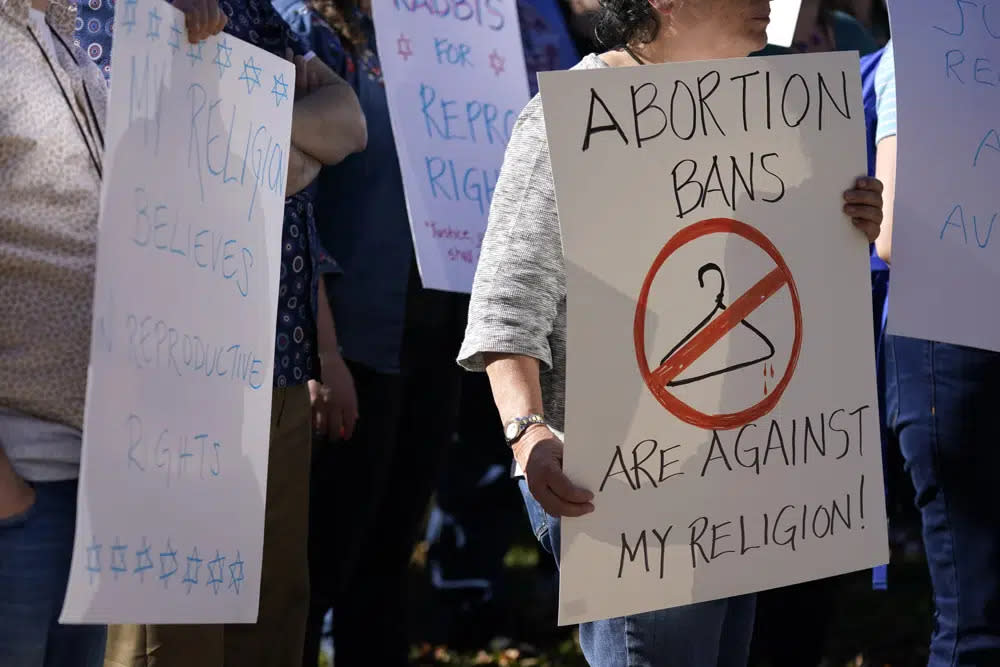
x: 536, y: 515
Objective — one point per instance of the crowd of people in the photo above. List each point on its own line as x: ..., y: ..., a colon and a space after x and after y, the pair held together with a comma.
x: 377, y: 433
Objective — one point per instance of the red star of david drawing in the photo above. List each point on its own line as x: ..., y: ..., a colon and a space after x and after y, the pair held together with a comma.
x: 403, y: 46
x: 496, y: 62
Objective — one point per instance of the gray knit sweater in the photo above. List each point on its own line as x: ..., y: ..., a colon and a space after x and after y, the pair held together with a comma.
x: 518, y: 301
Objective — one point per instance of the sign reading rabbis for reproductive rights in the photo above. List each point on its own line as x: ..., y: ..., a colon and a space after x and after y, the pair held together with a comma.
x: 455, y: 81
x: 170, y: 522
x: 721, y: 399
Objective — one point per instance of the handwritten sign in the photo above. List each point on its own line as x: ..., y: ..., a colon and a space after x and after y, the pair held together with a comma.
x: 171, y: 511
x: 721, y: 399
x: 944, y: 255
x: 456, y: 82
x: 784, y: 18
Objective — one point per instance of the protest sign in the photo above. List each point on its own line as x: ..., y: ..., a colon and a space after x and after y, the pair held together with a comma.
x: 944, y: 260
x: 784, y: 17
x: 721, y: 398
x: 456, y: 82
x: 171, y: 503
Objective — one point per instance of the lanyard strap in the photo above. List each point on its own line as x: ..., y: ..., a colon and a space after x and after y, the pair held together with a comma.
x: 632, y: 53
x: 69, y: 103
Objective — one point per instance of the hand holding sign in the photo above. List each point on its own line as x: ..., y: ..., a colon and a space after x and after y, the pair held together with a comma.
x: 539, y: 454
x: 204, y: 18
x: 864, y: 205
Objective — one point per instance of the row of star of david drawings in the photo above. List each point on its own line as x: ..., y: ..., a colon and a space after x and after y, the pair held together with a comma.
x: 251, y: 74
x: 219, y: 572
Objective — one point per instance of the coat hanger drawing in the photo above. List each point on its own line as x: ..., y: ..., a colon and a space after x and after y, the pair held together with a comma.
x: 718, y: 306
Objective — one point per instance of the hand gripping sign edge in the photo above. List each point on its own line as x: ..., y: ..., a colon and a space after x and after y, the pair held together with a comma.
x: 756, y: 295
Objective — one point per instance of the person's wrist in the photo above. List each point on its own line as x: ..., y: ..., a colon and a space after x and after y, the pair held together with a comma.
x: 534, y: 434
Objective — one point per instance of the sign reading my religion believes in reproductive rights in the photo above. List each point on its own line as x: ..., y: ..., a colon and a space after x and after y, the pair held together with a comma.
x: 456, y: 82
x: 944, y: 256
x: 721, y: 399
x: 171, y: 503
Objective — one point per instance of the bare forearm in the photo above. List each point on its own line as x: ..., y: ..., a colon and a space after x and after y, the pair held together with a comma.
x: 885, y: 171
x: 302, y: 170
x: 328, y: 123
x: 515, y: 382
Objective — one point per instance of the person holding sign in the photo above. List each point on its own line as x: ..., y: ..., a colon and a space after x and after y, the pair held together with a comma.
x: 51, y: 160
x: 517, y: 320
x: 311, y: 391
x: 939, y: 402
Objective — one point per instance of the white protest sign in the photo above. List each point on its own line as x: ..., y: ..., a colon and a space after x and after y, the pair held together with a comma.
x: 171, y: 504
x: 455, y: 82
x: 784, y: 18
x: 721, y: 398
x: 944, y: 257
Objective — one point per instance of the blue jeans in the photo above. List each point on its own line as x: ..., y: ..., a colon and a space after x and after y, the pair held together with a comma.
x: 35, y: 552
x: 707, y: 634
x: 941, y: 402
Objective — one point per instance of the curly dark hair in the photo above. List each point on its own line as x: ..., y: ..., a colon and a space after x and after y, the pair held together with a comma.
x: 342, y: 15
x: 625, y: 22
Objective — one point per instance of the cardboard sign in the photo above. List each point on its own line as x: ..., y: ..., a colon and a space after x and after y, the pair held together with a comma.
x: 171, y: 503
x: 721, y: 397
x: 944, y: 256
x: 455, y: 82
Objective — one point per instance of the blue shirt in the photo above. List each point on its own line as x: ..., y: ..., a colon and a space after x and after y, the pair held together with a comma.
x: 362, y: 217
x: 361, y: 204
x: 303, y: 259
x: 885, y: 95
x: 94, y: 26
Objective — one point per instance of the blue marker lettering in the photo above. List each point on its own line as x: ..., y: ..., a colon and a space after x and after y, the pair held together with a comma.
x: 217, y: 469
x: 141, y: 218
x: 433, y: 177
x: 135, y: 439
x: 194, y: 90
x: 995, y: 146
x: 977, y: 69
x: 950, y: 66
x: 949, y: 223
x: 228, y: 256
x: 961, y: 19
x: 255, y: 371
x: 158, y: 224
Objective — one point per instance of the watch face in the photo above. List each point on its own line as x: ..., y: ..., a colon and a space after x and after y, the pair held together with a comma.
x: 512, y: 430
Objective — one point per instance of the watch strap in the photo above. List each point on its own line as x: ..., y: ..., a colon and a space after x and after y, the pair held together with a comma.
x: 516, y: 427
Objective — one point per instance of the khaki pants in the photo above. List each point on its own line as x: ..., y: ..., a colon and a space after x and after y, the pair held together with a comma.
x: 276, y: 639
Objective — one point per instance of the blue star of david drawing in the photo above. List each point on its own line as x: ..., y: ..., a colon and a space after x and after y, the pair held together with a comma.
x: 118, y: 551
x: 175, y: 37
x: 129, y: 21
x: 193, y: 562
x: 215, y: 571
x: 280, y: 89
x: 94, y: 559
x: 168, y: 556
x: 153, y: 31
x: 194, y: 52
x: 222, y: 48
x: 236, y: 573
x: 143, y: 561
x: 251, y: 74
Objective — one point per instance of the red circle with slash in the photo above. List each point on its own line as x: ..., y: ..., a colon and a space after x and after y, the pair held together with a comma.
x: 739, y: 309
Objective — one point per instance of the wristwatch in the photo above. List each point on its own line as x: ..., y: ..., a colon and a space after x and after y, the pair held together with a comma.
x: 515, y: 428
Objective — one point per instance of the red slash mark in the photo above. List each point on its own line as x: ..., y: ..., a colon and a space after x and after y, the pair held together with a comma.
x: 719, y: 327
